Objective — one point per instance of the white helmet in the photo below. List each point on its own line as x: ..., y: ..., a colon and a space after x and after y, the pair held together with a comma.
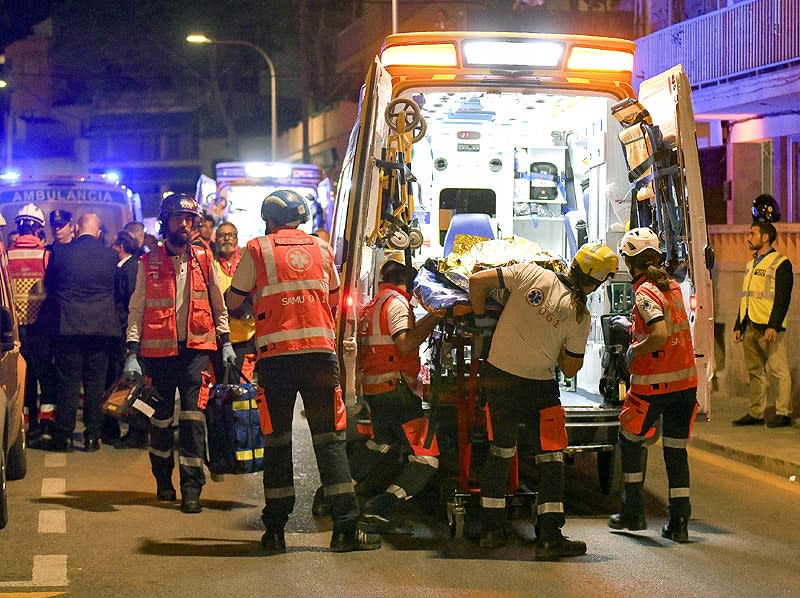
x: 30, y: 212
x: 637, y: 240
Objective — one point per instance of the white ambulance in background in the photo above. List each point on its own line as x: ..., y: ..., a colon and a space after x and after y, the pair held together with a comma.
x: 236, y: 193
x: 113, y: 202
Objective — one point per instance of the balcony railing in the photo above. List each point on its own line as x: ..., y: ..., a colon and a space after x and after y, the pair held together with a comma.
x: 726, y: 44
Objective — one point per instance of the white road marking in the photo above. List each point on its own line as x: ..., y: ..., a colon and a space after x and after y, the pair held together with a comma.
x: 55, y: 460
x: 49, y: 570
x: 53, y: 487
x: 52, y: 522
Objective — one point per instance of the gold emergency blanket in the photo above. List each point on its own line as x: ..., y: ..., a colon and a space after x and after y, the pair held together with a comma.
x: 472, y: 254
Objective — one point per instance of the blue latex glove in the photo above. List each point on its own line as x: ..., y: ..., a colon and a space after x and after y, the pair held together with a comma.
x: 132, y: 369
x: 228, y: 354
x: 629, y: 356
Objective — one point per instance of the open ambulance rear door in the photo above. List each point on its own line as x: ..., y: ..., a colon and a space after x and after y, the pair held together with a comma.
x: 667, y: 97
x: 356, y: 206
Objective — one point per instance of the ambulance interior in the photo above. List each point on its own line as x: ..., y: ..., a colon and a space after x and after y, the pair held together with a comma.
x: 545, y: 166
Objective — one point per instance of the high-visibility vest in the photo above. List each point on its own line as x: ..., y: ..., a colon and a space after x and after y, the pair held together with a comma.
x: 758, y: 289
x: 291, y: 307
x: 241, y: 329
x: 672, y: 368
x: 159, y: 336
x: 26, y: 269
x: 381, y: 365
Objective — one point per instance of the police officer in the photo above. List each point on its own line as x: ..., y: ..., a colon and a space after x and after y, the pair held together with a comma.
x: 293, y: 281
x: 544, y: 324
x: 761, y: 323
x: 663, y: 385
x: 177, y: 318
x: 388, y: 351
x: 26, y: 266
x: 62, y: 226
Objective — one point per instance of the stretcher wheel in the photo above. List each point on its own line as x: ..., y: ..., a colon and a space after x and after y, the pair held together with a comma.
x: 420, y: 129
x: 456, y: 518
x: 409, y: 110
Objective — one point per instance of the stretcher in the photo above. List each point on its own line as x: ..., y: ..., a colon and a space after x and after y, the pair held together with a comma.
x: 457, y: 393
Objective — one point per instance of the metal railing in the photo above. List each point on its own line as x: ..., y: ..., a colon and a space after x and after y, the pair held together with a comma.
x: 725, y: 44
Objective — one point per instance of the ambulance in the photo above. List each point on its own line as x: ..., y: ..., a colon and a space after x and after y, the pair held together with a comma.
x: 544, y: 138
x: 104, y: 195
x: 238, y: 188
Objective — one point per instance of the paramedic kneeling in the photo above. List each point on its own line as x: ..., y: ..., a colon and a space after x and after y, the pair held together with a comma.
x: 544, y: 324
x: 388, y: 350
x: 293, y: 281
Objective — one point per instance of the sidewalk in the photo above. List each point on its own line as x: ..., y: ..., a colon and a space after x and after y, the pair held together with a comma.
x: 776, y: 450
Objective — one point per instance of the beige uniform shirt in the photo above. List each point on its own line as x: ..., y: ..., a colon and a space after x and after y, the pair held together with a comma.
x: 538, y: 319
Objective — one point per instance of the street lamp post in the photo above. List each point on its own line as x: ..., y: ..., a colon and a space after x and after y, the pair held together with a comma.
x: 202, y: 39
x: 8, y: 127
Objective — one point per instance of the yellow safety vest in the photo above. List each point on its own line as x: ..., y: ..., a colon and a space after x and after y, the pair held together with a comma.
x: 241, y: 329
x: 758, y: 289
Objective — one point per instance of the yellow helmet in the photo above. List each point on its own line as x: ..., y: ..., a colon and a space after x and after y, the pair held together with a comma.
x: 597, y: 261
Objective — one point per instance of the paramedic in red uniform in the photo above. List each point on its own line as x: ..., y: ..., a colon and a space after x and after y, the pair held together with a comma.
x: 663, y: 385
x: 544, y: 324
x: 293, y: 282
x: 177, y: 319
x: 388, y: 354
x: 27, y: 259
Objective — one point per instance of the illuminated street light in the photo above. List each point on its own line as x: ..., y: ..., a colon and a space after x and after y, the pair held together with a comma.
x: 199, y: 38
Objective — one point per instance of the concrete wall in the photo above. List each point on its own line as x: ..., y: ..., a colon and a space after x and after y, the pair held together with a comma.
x: 731, y: 373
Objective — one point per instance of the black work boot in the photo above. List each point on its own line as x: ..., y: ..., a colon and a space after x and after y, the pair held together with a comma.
x: 375, y: 516
x: 629, y: 521
x: 558, y: 547
x: 676, y: 530
x: 273, y: 541
x: 352, y: 538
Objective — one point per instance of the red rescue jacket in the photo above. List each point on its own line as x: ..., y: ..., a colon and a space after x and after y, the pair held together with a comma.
x: 159, y: 336
x: 672, y: 368
x: 380, y: 363
x: 292, y: 312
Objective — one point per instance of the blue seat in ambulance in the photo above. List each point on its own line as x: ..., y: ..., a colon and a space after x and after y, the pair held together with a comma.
x: 478, y: 225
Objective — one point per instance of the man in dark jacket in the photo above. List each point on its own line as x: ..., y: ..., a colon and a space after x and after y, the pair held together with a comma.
x: 80, y: 275
x: 128, y: 250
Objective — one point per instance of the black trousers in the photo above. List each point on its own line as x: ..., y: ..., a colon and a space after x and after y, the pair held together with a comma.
x: 513, y: 402
x: 81, y: 360
x: 315, y: 376
x: 676, y: 411
x: 389, y: 412
x: 36, y: 349
x: 181, y: 373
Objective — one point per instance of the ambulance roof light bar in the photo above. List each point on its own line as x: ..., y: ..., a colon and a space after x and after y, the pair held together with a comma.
x: 420, y: 55
x: 597, y: 59
x: 513, y: 53
x: 259, y: 170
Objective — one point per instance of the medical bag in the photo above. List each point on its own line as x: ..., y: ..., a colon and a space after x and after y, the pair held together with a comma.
x: 235, y: 442
x: 131, y: 400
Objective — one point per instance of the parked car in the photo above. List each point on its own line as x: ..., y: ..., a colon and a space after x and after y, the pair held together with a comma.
x: 13, y: 463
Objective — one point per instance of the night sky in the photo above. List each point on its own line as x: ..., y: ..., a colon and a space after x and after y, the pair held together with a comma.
x: 17, y: 17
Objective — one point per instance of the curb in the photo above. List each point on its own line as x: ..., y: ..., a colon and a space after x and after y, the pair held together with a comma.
x: 774, y: 465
